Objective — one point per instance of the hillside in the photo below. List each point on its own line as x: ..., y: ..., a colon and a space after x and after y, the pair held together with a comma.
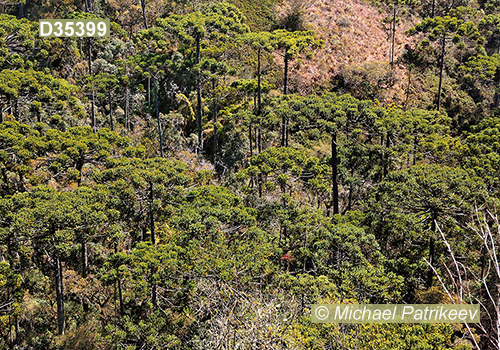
x: 205, y: 175
x: 355, y: 39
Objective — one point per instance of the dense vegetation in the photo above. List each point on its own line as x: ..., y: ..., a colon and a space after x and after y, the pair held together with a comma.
x: 169, y: 188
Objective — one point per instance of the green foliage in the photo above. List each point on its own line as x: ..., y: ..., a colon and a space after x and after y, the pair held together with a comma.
x: 39, y: 95
x: 22, y: 48
x: 480, y: 152
x: 287, y: 168
x: 409, y: 205
x: 294, y: 43
x: 288, y: 201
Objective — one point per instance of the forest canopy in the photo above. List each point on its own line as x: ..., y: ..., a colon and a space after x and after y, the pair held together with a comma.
x: 189, y: 183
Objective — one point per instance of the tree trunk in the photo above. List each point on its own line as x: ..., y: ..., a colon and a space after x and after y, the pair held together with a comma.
x: 250, y: 137
x: 408, y: 89
x: 120, y: 296
x: 284, y: 131
x: 259, y: 83
x: 415, y: 145
x: 11, y: 335
x: 85, y: 264
x: 214, y: 115
x: 92, y: 107
x: 259, y: 139
x: 382, y: 155
x: 497, y: 86
x: 349, y: 199
x: 441, y: 67
x: 198, y: 97
x: 127, y: 108
x: 386, y: 162
x: 393, y: 36
x: 94, y: 123
x: 151, y: 215
x: 260, y: 185
x: 283, y: 128
x: 335, y: 185
x: 21, y: 10
x: 16, y: 109
x: 149, y: 93
x: 259, y: 99
x: 143, y: 5
x: 85, y: 260
x: 16, y: 320
x: 157, y: 113
x: 154, y: 299
x: 285, y: 82
x: 110, y: 112
x: 59, y: 295
x: 89, y: 54
x: 430, y: 273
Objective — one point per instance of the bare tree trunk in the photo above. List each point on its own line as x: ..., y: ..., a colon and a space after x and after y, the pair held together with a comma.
x: 441, y: 67
x: 127, y: 108
x: 259, y: 83
x: 250, y: 137
x: 198, y: 97
x: 393, y: 36
x: 284, y: 129
x: 259, y: 139
x: 335, y: 184
x: 85, y: 264
x: 94, y: 122
x: 285, y: 82
x: 259, y: 98
x: 120, y: 296
x: 149, y: 93
x: 153, y: 240
x: 143, y: 5
x: 16, y: 320
x: 110, y: 112
x: 16, y: 109
x: 415, y: 145
x: 59, y: 295
x: 11, y: 335
x: 497, y: 86
x: 157, y: 112
x: 154, y: 299
x: 408, y: 89
x: 85, y: 260
x: 349, y: 198
x: 386, y: 162
x: 432, y: 241
x: 92, y: 107
x: 214, y: 114
x: 151, y: 215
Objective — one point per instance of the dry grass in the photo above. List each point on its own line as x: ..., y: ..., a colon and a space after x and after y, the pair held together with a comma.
x: 354, y: 35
